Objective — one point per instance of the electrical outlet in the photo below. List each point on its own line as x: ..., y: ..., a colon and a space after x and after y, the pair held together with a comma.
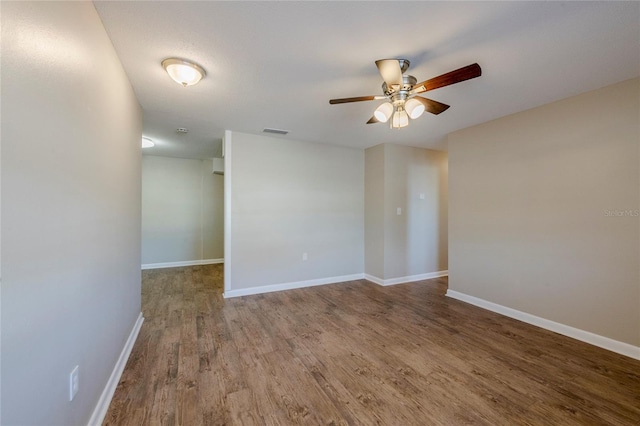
x: 304, y: 256
x: 74, y: 383
x: 399, y: 211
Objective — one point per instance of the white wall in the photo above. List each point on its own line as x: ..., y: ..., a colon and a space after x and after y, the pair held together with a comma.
x: 533, y: 202
x: 414, y: 242
x: 290, y: 197
x: 182, y: 210
x: 71, y: 129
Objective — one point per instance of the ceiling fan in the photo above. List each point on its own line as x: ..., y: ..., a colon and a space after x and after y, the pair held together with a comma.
x: 401, y: 92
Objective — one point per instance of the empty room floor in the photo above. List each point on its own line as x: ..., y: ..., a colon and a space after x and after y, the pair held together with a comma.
x: 356, y: 353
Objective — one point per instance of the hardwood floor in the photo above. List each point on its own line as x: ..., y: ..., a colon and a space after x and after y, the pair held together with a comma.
x: 358, y: 354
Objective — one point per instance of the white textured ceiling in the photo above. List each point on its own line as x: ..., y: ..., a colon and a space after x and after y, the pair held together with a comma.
x: 277, y: 64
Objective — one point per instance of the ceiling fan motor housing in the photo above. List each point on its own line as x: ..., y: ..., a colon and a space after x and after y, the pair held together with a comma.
x: 404, y: 64
x: 408, y: 81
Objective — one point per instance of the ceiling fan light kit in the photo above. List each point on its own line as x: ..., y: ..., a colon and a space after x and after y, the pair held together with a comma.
x: 401, y: 90
x: 414, y: 108
x: 183, y: 72
x: 400, y: 119
x: 383, y: 112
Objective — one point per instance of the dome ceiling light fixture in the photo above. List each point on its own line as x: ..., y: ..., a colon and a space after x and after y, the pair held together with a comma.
x: 401, y: 92
x: 183, y: 72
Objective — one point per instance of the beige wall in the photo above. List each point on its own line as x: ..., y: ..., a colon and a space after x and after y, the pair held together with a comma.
x: 212, y: 212
x: 71, y: 129
x: 291, y: 197
x: 414, y: 242
x: 534, y: 204
x: 374, y: 211
x: 182, y: 210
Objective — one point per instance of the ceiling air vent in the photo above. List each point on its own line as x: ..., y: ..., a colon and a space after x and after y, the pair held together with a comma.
x: 276, y: 131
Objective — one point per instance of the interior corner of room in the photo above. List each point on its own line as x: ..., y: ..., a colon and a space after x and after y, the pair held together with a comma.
x: 182, y: 212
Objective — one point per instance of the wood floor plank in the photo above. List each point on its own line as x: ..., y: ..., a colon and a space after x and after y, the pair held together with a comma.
x: 241, y: 404
x: 356, y: 353
x: 187, y: 403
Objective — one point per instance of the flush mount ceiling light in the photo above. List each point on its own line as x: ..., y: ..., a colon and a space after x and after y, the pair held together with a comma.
x: 401, y: 92
x: 147, y: 143
x: 183, y: 72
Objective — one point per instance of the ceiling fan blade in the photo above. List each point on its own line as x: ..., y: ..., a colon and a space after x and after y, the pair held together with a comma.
x: 390, y: 71
x: 453, y: 77
x: 373, y: 120
x: 417, y: 89
x: 357, y: 99
x: 434, y: 107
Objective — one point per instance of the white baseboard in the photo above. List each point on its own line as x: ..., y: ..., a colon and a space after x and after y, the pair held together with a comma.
x: 408, y: 279
x: 290, y: 286
x: 374, y: 279
x: 575, y: 333
x: 184, y: 263
x: 102, y: 406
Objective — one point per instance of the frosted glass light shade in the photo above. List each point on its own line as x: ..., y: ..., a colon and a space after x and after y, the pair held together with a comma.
x: 414, y: 108
x: 383, y: 112
x: 183, y: 72
x: 400, y: 119
x: 147, y: 143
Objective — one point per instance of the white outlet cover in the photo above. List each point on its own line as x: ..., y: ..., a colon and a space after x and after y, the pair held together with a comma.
x: 422, y: 196
x: 399, y: 211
